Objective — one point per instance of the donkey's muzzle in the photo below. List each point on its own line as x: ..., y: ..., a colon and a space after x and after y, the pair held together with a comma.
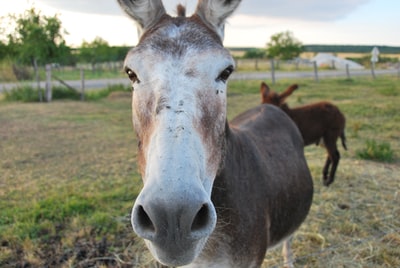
x: 176, y: 227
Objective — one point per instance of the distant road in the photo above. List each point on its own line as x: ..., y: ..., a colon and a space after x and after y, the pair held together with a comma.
x: 103, y: 83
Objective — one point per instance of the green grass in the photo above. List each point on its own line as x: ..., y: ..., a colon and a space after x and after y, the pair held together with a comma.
x: 68, y: 180
x: 374, y: 151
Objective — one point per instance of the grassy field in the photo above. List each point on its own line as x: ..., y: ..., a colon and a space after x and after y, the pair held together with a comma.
x: 68, y: 180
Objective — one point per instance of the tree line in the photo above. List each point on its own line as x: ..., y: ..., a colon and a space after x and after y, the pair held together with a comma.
x: 38, y: 39
x: 32, y: 39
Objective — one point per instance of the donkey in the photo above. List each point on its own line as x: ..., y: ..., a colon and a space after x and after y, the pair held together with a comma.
x: 316, y: 121
x: 215, y: 194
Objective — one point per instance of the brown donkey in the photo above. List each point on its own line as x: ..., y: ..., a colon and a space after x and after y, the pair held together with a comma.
x: 215, y: 194
x: 321, y: 120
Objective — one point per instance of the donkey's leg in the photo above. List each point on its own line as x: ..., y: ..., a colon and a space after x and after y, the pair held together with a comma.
x: 287, y: 253
x: 335, y: 163
x: 333, y: 157
x: 325, y: 171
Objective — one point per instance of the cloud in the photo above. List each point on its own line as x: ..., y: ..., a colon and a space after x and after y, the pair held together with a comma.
x: 102, y: 7
x: 308, y: 10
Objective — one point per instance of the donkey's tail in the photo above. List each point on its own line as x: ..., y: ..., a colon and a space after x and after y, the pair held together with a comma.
x: 343, y: 138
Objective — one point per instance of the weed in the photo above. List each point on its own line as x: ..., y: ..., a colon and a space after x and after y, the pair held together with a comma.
x: 376, y: 151
x: 356, y: 128
x: 389, y: 91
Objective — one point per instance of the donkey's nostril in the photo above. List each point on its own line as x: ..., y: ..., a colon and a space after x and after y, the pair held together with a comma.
x: 201, y: 220
x: 144, y: 221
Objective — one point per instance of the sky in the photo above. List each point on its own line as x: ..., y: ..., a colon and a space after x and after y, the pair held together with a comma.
x: 339, y: 22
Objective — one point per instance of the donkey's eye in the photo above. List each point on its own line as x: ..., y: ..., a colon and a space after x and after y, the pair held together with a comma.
x: 224, y: 75
x: 132, y: 75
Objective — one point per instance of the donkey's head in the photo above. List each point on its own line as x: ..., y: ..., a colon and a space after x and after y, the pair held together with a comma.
x: 271, y: 97
x: 179, y: 71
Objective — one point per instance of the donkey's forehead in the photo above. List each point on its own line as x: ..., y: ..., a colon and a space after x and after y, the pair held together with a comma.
x: 176, y: 36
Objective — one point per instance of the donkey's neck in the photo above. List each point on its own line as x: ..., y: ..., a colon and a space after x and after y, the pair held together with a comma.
x: 256, y: 196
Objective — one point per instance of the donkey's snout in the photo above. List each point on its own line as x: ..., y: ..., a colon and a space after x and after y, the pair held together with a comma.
x: 144, y: 222
x: 201, y: 219
x: 169, y: 221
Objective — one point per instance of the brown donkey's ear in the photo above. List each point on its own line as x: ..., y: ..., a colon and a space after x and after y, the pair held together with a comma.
x: 288, y: 92
x: 264, y: 90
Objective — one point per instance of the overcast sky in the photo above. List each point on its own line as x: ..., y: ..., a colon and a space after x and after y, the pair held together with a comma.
x: 354, y: 22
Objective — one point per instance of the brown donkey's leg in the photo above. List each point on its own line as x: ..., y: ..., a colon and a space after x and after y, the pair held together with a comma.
x: 333, y: 158
x: 335, y: 162
x: 325, y: 171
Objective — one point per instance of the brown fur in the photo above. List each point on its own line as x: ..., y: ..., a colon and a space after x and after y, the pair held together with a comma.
x: 321, y: 120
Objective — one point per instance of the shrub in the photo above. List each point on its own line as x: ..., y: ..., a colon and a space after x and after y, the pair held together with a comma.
x: 30, y: 94
x: 23, y: 93
x: 6, y: 71
x: 376, y: 151
x: 103, y: 93
x: 65, y: 93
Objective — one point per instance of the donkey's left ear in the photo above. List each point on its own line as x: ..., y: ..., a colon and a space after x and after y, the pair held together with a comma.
x: 215, y: 12
x: 288, y: 91
x: 146, y: 13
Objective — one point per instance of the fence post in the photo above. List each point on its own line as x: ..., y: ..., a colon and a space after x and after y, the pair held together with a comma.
x: 373, y: 70
x: 315, y: 71
x: 348, y: 71
x: 35, y: 66
x: 398, y: 70
x: 82, y: 84
x: 48, y: 83
x: 272, y: 70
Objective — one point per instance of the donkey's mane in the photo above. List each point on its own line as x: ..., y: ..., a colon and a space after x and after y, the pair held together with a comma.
x: 181, y: 11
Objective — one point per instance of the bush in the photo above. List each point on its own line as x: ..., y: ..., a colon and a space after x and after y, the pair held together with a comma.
x: 24, y: 94
x: 104, y: 93
x: 6, y: 71
x: 376, y: 151
x: 30, y: 94
x: 65, y: 93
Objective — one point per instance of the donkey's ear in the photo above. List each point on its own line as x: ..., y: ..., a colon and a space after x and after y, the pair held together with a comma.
x: 264, y: 89
x: 215, y: 12
x: 288, y: 91
x: 146, y: 13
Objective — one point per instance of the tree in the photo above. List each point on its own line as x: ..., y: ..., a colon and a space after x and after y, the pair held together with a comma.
x: 3, y: 50
x: 96, y: 51
x: 254, y: 53
x: 37, y: 38
x: 284, y: 46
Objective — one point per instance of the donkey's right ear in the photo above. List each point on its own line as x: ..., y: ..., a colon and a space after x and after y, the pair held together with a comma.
x: 146, y: 13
